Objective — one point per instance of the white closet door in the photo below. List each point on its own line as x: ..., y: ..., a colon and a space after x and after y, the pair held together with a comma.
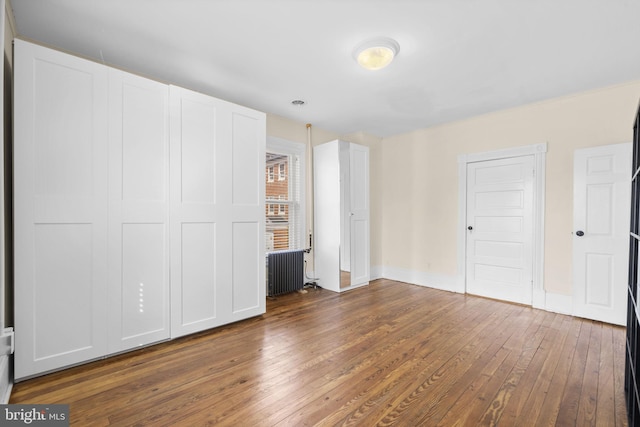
x: 217, y: 212
x: 359, y: 216
x: 138, y: 211
x: 247, y: 212
x: 60, y: 209
x: 196, y: 276
x: 327, y: 213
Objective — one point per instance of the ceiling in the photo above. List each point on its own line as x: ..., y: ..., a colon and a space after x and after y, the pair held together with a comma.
x: 457, y: 59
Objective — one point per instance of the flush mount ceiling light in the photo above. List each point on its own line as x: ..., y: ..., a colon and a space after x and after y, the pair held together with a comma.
x: 377, y: 53
x: 297, y: 102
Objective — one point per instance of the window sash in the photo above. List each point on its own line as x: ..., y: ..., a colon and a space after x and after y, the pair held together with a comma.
x: 284, y: 227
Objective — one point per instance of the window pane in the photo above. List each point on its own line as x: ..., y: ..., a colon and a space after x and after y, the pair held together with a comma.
x: 284, y: 221
x: 277, y: 224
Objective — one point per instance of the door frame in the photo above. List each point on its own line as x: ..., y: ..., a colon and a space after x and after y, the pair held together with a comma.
x: 539, y: 151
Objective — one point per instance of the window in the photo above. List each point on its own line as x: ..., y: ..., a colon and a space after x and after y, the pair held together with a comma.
x: 284, y: 196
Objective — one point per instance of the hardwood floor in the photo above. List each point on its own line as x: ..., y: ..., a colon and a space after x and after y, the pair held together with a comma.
x: 387, y: 354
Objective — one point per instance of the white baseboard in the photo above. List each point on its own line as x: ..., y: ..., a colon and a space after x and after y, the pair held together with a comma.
x: 430, y: 280
x: 375, y: 272
x: 5, y: 379
x: 555, y: 303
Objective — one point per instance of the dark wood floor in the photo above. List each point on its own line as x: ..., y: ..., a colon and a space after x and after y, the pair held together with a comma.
x: 386, y: 354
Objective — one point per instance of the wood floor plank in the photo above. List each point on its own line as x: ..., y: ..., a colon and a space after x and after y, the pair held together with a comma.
x: 531, y: 399
x: 548, y: 411
x: 431, y: 412
x: 396, y: 371
x: 426, y: 390
x: 485, y: 396
x: 520, y: 398
x: 387, y: 354
x: 605, y: 400
x: 570, y: 403
x: 619, y: 354
x: 504, y: 394
x: 483, y: 367
x: 589, y: 392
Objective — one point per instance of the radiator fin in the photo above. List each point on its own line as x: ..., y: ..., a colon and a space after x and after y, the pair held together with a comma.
x: 285, y: 272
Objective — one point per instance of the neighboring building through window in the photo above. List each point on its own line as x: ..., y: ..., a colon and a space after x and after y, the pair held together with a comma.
x: 284, y: 196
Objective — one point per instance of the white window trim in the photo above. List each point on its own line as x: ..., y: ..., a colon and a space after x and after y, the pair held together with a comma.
x: 283, y: 146
x: 270, y: 173
x: 281, y: 172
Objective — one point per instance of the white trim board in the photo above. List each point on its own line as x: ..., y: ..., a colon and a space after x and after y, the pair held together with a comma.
x: 539, y: 152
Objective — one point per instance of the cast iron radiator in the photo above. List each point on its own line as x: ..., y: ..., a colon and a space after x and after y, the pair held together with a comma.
x: 285, y: 272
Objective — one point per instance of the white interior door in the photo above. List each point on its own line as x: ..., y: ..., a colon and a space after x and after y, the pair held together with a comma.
x: 500, y: 229
x: 601, y: 232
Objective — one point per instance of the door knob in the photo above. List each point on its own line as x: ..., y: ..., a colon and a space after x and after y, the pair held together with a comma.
x: 579, y: 233
x: 469, y: 228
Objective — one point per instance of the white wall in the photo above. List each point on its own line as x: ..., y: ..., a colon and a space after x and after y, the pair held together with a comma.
x: 418, y: 182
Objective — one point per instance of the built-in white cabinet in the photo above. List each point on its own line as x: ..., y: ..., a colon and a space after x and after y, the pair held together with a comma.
x: 341, y: 215
x: 138, y: 211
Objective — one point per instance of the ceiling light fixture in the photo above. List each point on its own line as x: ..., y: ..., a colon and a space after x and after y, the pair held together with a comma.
x: 297, y: 102
x: 376, y: 53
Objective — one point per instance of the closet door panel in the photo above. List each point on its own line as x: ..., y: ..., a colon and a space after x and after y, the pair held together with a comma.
x: 247, y: 160
x: 144, y: 285
x: 359, y: 215
x: 144, y: 138
x: 199, y: 284
x: 196, y: 271
x: 138, y: 211
x: 63, y: 99
x: 62, y: 301
x: 198, y: 151
x: 248, y: 268
x: 247, y: 212
x: 60, y: 209
x: 327, y: 214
